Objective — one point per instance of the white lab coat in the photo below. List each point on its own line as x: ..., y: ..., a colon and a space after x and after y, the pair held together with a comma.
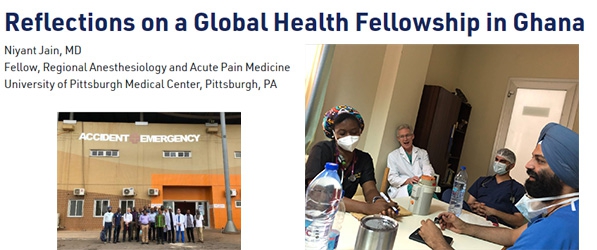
x: 401, y: 169
x: 199, y: 220
x: 168, y: 226
x: 180, y: 224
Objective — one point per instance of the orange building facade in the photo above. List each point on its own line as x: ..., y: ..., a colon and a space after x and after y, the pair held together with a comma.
x: 101, y: 164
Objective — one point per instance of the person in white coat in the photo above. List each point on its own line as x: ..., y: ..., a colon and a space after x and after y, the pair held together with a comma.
x: 180, y: 223
x: 407, y: 163
x: 168, y: 236
x: 199, y: 225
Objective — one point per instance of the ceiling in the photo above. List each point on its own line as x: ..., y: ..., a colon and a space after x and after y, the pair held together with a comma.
x: 151, y: 117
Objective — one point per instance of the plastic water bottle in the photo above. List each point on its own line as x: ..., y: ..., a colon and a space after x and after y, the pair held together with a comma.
x: 337, y: 226
x: 458, y: 191
x: 322, y: 199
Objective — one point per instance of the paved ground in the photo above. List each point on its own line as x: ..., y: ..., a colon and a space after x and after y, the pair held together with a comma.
x: 89, y: 240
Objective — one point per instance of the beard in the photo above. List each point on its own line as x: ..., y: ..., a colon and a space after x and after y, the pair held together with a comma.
x: 544, y: 185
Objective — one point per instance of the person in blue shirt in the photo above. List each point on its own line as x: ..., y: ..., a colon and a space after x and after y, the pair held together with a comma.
x: 551, y: 204
x: 495, y: 196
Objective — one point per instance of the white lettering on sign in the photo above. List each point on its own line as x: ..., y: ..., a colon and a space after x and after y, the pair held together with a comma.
x: 169, y: 138
x: 138, y: 138
x: 219, y: 206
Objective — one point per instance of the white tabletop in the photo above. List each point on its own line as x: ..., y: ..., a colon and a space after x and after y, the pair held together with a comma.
x: 408, y: 224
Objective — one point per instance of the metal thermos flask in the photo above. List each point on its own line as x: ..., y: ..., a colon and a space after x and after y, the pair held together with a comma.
x: 422, y: 193
x: 377, y: 232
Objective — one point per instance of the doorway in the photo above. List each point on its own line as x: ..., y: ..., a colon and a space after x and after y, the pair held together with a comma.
x: 529, y: 105
x: 193, y: 206
x: 184, y: 206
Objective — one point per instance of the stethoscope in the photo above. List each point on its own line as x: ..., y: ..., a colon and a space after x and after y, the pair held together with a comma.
x: 341, y: 161
x: 512, y: 197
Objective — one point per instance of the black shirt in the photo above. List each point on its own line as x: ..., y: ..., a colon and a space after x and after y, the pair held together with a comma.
x: 325, y: 151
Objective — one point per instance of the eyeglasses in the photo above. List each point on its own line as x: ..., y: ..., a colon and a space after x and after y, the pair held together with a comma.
x: 409, y: 136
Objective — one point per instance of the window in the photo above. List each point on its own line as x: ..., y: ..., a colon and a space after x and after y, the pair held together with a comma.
x: 237, y: 203
x: 168, y: 204
x: 100, y: 207
x: 177, y: 154
x: 236, y: 154
x: 126, y: 204
x: 104, y: 153
x: 75, y: 208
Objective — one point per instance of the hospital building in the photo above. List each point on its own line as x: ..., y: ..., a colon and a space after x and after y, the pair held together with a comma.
x: 131, y: 160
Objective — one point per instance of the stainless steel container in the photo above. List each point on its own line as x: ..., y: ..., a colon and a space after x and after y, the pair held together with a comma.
x: 377, y: 232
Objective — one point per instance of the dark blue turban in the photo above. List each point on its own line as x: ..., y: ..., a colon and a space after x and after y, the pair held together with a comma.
x: 560, y: 148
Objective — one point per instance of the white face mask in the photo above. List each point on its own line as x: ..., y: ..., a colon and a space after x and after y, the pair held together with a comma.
x: 533, y: 207
x: 348, y: 143
x: 499, y: 168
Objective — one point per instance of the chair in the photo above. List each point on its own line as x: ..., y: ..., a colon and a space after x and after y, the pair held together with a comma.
x: 447, y: 194
x: 384, y: 183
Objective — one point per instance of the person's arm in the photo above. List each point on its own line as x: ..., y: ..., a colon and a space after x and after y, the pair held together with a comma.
x: 471, y: 199
x: 498, y: 235
x: 433, y: 236
x: 427, y: 167
x: 380, y: 205
x: 515, y: 219
x: 394, y: 177
x: 318, y: 156
x: 370, y: 191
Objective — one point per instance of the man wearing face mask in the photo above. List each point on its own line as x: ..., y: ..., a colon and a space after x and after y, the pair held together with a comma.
x: 407, y: 163
x: 495, y: 197
x: 344, y: 125
x: 551, y: 204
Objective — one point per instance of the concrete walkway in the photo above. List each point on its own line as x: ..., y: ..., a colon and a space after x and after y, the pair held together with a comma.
x: 89, y: 240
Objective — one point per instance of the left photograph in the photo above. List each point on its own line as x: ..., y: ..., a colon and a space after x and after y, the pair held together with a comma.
x: 141, y: 167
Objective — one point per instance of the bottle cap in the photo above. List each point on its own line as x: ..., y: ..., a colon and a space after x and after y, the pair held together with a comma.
x: 463, y: 167
x: 331, y: 166
x: 428, y: 180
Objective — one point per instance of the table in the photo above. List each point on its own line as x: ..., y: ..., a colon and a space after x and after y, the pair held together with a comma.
x: 408, y: 224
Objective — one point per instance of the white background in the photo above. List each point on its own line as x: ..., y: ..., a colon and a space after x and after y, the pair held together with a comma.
x: 272, y: 120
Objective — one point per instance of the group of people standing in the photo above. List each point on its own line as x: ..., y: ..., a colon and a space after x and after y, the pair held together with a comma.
x: 152, y: 224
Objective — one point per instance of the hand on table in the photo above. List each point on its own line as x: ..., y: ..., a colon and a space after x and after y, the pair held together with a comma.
x: 432, y: 235
x: 450, y: 221
x: 481, y: 209
x: 382, y: 207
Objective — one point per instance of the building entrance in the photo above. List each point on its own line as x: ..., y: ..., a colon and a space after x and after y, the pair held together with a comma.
x: 193, y: 206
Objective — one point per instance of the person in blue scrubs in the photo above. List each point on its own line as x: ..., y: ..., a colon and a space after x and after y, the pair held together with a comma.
x: 494, y: 197
x: 551, y: 204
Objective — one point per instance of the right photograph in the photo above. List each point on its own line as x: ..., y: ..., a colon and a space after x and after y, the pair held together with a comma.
x: 442, y: 146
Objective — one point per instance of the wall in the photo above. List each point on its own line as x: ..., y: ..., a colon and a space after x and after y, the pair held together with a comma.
x: 484, y: 76
x: 354, y: 77
x: 384, y: 82
x: 142, y: 166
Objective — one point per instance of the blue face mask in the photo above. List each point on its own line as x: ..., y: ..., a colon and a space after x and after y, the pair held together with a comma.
x: 533, y: 207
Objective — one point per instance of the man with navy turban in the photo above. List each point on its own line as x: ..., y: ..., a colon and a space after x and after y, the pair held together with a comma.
x: 551, y: 204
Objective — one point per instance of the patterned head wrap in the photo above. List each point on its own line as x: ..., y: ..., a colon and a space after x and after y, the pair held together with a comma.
x: 560, y: 148
x: 330, y: 116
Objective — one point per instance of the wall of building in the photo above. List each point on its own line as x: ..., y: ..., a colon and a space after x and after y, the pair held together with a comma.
x: 141, y: 165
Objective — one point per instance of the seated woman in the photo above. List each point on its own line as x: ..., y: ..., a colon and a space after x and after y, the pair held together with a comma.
x: 343, y: 124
